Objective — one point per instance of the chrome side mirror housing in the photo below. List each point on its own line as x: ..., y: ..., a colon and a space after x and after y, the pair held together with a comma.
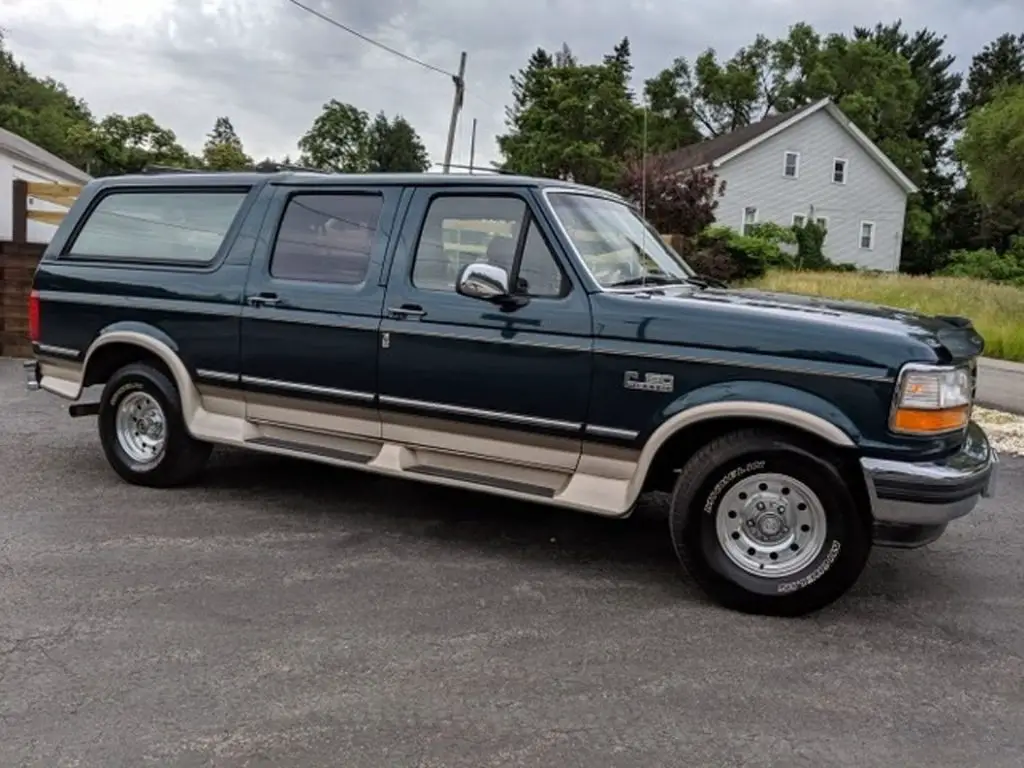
x: 486, y: 282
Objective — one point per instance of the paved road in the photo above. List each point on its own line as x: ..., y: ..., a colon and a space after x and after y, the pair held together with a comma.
x: 1001, y: 385
x: 288, y: 614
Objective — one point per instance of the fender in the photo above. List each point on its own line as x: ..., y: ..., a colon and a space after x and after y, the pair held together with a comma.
x: 160, y: 344
x: 745, y: 399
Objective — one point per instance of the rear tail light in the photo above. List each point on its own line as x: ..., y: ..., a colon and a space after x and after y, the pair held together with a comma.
x: 33, y: 316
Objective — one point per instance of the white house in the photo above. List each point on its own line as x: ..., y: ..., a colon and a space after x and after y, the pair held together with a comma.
x: 20, y: 159
x: 812, y: 162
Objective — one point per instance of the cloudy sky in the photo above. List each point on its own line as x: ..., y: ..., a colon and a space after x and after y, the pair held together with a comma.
x: 270, y: 66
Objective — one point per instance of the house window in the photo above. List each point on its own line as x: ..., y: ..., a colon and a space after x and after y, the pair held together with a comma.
x: 749, y: 218
x: 839, y: 171
x: 791, y: 165
x: 799, y: 220
x: 867, y: 235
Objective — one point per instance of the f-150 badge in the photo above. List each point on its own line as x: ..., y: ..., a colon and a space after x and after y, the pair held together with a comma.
x: 651, y: 382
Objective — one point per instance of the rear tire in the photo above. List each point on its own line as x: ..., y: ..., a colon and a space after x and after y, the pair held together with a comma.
x: 143, y: 432
x: 765, y: 526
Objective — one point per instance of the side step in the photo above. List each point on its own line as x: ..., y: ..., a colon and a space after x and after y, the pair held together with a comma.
x: 310, y: 450
x: 84, y: 409
x: 493, y: 482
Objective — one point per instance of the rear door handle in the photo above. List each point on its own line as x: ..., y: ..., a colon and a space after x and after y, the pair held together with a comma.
x: 264, y: 300
x: 406, y: 310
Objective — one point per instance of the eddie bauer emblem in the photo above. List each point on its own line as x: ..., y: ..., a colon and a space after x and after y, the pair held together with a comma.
x: 651, y: 382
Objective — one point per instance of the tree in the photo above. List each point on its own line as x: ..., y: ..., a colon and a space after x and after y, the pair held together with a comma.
x: 992, y: 148
x: 572, y: 121
x: 525, y: 84
x: 120, y: 144
x: 935, y: 117
x: 42, y: 111
x: 337, y: 140
x: 1001, y: 62
x: 223, y: 149
x: 670, y: 123
x: 394, y: 146
x: 675, y: 204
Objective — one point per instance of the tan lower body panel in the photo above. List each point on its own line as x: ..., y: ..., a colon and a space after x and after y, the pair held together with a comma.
x: 561, y: 471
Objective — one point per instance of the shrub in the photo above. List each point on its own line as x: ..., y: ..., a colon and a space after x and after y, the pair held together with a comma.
x: 810, y: 245
x: 725, y: 254
x: 683, y: 204
x: 988, y: 264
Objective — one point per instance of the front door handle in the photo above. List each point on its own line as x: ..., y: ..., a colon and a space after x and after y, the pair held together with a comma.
x: 406, y: 310
x: 264, y: 300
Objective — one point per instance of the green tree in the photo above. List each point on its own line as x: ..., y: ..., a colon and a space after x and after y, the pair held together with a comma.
x: 999, y: 63
x: 42, y: 111
x: 935, y: 118
x: 393, y: 146
x: 120, y: 144
x: 223, y: 150
x: 337, y: 140
x: 992, y: 148
x: 572, y: 121
x: 670, y: 123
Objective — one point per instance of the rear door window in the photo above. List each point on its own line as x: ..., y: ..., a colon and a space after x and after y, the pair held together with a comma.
x: 327, y: 237
x: 182, y: 226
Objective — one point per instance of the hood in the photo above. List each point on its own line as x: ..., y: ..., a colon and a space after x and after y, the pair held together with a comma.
x: 792, y: 325
x: 956, y: 334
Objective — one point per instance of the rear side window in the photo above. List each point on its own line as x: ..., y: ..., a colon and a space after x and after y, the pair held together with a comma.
x: 327, y: 238
x: 182, y: 226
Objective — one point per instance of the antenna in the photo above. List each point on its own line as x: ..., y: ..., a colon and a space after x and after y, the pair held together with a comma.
x: 643, y: 196
x: 643, y: 166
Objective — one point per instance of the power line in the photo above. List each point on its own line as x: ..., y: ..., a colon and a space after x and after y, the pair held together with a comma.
x: 371, y: 41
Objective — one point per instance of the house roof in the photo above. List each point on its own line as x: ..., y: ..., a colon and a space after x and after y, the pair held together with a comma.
x: 17, y: 146
x: 721, y: 149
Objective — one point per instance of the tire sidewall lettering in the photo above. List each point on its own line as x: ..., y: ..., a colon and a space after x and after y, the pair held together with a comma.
x: 788, y: 587
x: 124, y: 389
x: 814, y: 572
x: 728, y: 480
x: 116, y: 397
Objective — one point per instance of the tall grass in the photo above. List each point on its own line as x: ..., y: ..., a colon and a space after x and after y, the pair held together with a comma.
x: 997, y: 311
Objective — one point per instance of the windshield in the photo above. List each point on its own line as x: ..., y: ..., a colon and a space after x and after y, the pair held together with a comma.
x: 618, y: 247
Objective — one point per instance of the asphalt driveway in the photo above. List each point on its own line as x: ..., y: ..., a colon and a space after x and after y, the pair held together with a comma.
x: 288, y: 614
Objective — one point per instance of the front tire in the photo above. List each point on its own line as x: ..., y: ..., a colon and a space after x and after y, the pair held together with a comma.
x: 143, y: 432
x: 765, y: 526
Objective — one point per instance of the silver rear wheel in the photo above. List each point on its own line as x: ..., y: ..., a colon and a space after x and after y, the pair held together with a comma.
x: 771, y: 525
x: 140, y: 426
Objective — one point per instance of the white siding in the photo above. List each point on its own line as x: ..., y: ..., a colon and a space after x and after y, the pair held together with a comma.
x: 13, y: 169
x: 755, y: 178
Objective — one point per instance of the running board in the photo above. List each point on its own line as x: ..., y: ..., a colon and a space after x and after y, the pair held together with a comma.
x: 84, y: 409
x: 312, y: 451
x: 484, y: 482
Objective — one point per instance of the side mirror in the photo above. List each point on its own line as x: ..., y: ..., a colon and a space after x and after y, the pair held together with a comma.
x: 483, y: 281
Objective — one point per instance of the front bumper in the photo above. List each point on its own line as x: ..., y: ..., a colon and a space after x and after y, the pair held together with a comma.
x: 913, y: 502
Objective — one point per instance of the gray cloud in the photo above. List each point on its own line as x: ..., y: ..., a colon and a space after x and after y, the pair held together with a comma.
x: 270, y: 66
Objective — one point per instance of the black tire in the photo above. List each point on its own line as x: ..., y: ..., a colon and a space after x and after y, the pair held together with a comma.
x: 182, y: 458
x: 723, y: 464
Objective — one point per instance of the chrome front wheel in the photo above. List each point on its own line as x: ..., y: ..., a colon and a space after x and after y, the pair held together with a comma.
x: 771, y: 525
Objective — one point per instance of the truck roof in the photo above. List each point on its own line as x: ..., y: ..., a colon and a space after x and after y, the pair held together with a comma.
x: 314, y: 179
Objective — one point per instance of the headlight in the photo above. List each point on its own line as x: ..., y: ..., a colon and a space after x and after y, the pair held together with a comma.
x: 931, y: 400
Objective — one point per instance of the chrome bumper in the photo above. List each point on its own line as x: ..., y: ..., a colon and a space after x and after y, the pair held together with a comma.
x: 912, y: 502
x: 32, y: 375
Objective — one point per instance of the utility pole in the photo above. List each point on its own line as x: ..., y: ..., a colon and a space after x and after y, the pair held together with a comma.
x: 472, y: 146
x: 460, y: 92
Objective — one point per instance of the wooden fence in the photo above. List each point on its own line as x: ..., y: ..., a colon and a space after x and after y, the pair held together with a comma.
x: 30, y: 201
x: 18, y: 263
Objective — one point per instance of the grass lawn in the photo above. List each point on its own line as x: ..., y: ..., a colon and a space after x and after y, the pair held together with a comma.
x: 997, y: 311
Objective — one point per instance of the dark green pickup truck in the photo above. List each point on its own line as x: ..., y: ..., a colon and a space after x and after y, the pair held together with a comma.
x: 567, y: 357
